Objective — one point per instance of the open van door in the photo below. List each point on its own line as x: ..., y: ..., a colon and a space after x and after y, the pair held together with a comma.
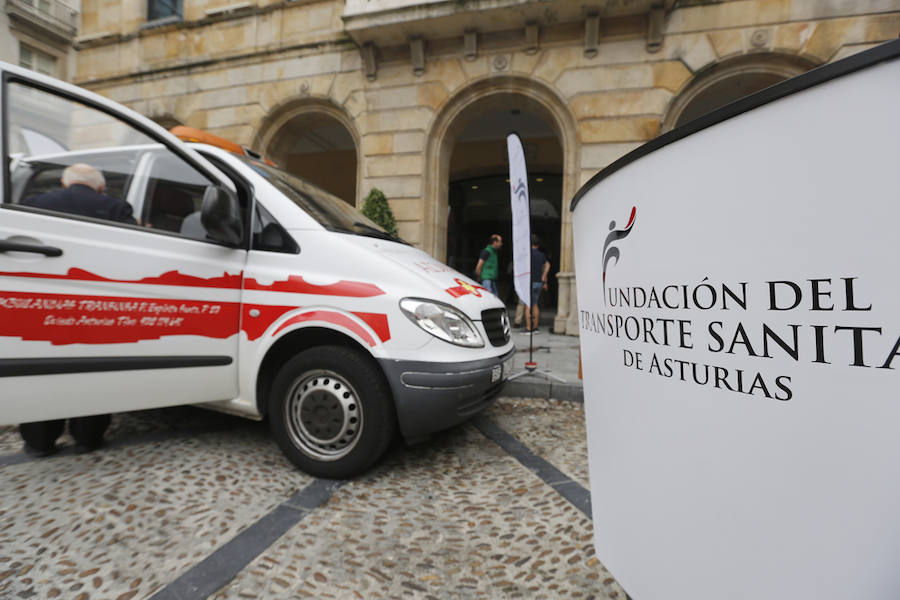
x: 113, y: 308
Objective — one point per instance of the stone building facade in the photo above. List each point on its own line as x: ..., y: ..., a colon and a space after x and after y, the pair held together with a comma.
x: 40, y: 35
x: 415, y: 98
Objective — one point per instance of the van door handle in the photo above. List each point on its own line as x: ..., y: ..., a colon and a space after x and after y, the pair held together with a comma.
x: 7, y: 246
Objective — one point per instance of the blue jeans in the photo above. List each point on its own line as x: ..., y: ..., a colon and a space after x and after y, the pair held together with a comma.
x: 535, y: 291
x: 490, y: 285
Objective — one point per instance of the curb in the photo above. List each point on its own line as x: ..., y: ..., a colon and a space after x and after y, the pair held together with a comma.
x: 540, y: 388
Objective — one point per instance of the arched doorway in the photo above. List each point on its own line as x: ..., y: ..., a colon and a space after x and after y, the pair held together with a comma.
x: 731, y: 80
x: 465, y: 119
x: 316, y: 141
x: 478, y: 188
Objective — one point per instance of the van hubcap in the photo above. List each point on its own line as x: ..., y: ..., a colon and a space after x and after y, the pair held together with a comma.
x: 324, y: 415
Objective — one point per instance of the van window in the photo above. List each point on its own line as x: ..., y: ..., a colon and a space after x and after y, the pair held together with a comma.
x: 329, y: 211
x: 268, y: 235
x: 76, y: 161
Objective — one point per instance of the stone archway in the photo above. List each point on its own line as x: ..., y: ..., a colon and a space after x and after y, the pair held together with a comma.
x: 478, y: 194
x: 494, y: 92
x: 729, y: 80
x: 316, y: 140
x: 502, y: 94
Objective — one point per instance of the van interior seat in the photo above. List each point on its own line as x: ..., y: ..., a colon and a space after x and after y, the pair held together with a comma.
x: 168, y: 208
x: 192, y: 226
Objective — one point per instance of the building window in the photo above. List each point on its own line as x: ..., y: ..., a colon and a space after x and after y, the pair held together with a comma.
x: 41, y: 5
x: 34, y: 59
x: 163, y: 9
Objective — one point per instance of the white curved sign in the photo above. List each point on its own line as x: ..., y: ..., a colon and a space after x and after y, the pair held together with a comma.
x: 739, y: 303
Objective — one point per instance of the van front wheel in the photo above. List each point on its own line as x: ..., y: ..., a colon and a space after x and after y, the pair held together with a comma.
x: 330, y: 412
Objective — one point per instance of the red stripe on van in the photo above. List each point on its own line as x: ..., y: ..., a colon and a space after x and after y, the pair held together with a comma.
x: 378, y: 323
x: 297, y: 285
x: 256, y: 326
x: 294, y: 283
x: 329, y: 317
x: 66, y: 319
x: 225, y: 281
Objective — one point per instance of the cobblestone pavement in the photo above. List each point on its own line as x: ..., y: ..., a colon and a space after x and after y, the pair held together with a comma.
x: 455, y: 517
x: 553, y: 430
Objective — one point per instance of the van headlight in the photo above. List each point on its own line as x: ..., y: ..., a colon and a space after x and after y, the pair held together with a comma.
x: 442, y: 321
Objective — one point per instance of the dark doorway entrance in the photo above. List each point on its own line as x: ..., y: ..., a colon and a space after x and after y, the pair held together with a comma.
x: 480, y: 207
x: 478, y: 198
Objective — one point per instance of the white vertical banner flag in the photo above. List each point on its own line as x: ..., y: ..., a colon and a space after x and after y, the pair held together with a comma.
x: 521, y: 218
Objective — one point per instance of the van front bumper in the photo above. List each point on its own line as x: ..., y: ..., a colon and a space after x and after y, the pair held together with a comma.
x: 432, y: 396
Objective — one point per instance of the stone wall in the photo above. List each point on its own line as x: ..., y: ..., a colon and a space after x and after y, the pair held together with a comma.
x: 235, y: 75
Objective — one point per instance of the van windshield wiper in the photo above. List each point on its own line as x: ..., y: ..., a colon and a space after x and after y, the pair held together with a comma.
x: 369, y: 231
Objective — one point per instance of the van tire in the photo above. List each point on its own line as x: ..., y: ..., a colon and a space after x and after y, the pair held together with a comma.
x: 331, y: 412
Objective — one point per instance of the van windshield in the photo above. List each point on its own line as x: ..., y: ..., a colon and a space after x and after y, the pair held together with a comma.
x: 329, y: 211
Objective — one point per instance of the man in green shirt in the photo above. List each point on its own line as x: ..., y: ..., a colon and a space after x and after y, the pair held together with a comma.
x: 488, y: 267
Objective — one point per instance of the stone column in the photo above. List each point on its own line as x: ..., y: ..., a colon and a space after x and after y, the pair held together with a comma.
x: 572, y: 322
x: 564, y: 281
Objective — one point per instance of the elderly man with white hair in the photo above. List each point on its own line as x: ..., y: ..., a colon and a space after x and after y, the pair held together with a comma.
x: 82, y: 194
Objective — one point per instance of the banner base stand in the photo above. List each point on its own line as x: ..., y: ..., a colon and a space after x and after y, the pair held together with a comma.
x: 531, y: 369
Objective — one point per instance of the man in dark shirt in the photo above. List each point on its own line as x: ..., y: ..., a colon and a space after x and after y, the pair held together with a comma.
x: 82, y: 194
x: 540, y: 268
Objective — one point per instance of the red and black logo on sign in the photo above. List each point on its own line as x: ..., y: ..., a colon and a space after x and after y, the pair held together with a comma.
x: 612, y: 252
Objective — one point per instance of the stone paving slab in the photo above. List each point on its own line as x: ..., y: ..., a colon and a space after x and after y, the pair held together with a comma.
x: 124, y: 521
x: 554, y: 354
x: 9, y: 439
x: 553, y: 430
x: 454, y: 518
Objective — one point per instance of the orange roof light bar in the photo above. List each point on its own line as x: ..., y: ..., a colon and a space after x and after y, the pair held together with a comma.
x: 192, y: 134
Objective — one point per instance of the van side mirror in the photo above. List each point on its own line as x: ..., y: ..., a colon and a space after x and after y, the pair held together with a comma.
x: 221, y: 216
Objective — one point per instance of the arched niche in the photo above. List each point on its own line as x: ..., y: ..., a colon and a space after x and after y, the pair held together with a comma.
x: 730, y: 80
x: 495, y: 94
x: 316, y: 140
x: 479, y: 189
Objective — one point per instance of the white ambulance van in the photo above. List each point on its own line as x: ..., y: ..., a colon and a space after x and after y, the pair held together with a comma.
x: 237, y: 286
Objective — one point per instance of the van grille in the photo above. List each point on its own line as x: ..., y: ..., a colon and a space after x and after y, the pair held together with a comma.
x: 496, y: 326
